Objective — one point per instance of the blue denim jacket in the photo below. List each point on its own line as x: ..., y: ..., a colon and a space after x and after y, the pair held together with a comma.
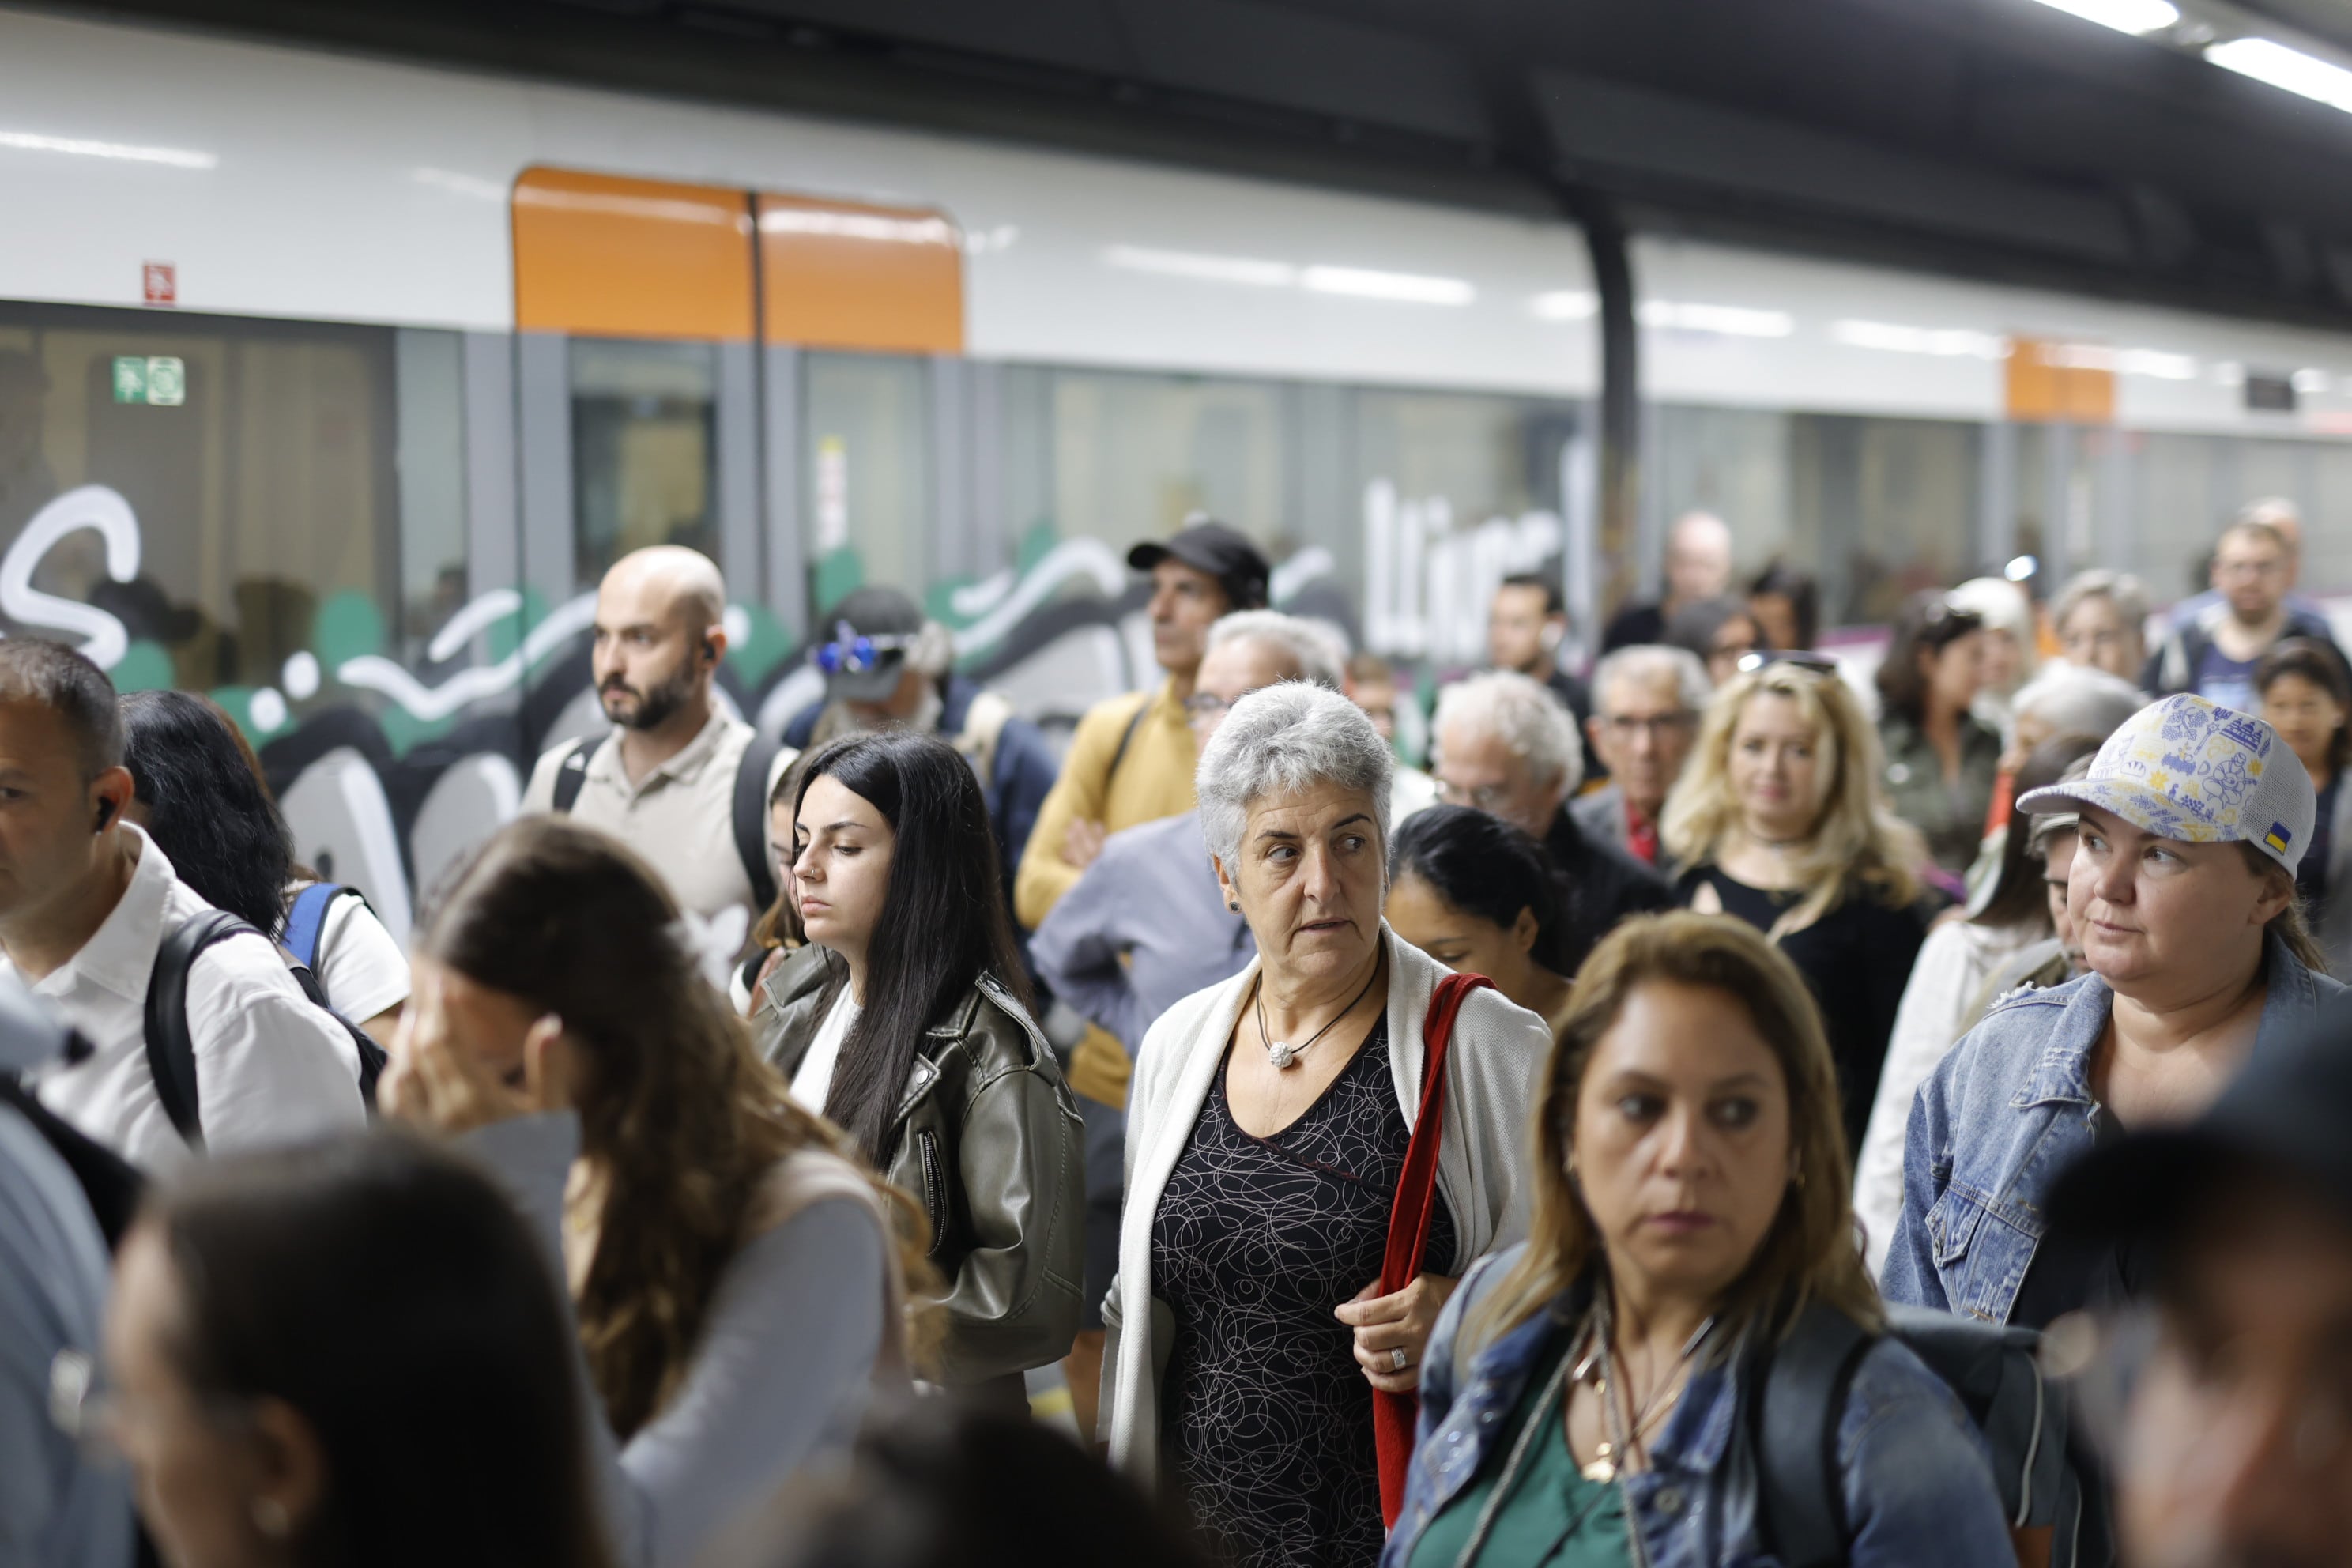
x: 2008, y: 1110
x: 1918, y: 1481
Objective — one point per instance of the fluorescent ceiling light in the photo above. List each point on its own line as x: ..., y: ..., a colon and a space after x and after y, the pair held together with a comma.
x: 171, y: 157
x: 1565, y: 305
x: 2157, y: 363
x: 1948, y: 342
x: 2274, y: 63
x: 460, y: 184
x: 1731, y: 320
x: 1408, y: 288
x: 2310, y: 383
x: 1206, y: 269
x: 2122, y: 16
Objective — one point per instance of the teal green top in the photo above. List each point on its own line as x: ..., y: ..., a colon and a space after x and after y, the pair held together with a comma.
x: 1551, y: 1517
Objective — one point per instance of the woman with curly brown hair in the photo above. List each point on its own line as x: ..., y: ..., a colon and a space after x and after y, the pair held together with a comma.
x: 737, y: 1278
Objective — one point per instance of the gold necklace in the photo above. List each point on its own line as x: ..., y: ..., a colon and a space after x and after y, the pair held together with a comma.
x: 1609, y: 1454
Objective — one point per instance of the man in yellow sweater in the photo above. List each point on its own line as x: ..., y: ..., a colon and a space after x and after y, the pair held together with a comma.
x: 1131, y: 762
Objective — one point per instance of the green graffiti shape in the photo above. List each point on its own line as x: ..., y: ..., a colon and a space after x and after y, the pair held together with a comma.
x: 763, y: 646
x: 144, y: 666
x: 838, y: 573
x: 349, y: 624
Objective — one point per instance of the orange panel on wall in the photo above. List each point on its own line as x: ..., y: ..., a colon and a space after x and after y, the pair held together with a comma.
x: 602, y: 257
x: 845, y: 275
x: 2061, y: 383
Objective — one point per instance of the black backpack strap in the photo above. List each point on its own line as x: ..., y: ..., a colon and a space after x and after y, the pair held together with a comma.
x: 1800, y: 1498
x: 570, y: 775
x: 171, y: 1050
x: 1126, y: 739
x: 374, y: 1058
x: 111, y: 1184
x: 752, y: 818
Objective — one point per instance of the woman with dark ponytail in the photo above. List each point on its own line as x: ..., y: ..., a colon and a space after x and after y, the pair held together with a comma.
x: 906, y: 1021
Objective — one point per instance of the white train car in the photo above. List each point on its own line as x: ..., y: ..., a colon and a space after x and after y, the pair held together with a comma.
x: 330, y: 387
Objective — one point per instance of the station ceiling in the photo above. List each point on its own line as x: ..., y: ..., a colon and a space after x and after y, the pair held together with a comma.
x: 1989, y: 138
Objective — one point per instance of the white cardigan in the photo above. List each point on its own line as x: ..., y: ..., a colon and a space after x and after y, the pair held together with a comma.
x: 1493, y: 1074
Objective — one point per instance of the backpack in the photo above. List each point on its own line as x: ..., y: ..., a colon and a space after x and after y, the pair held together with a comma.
x: 1993, y: 1371
x: 172, y: 1051
x: 751, y: 809
x: 111, y: 1184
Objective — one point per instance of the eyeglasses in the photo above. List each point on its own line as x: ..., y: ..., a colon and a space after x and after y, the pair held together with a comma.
x: 1204, y: 705
x: 853, y: 653
x: 1488, y: 798
x: 1810, y: 663
x: 1657, y: 726
x: 1950, y: 623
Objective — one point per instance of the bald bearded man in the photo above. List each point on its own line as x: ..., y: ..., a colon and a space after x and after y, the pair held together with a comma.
x: 678, y: 780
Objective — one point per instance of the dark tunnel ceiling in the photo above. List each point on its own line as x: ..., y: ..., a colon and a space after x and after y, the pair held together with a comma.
x: 1991, y: 138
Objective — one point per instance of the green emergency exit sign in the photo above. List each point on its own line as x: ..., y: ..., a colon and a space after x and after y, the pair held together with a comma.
x: 162, y: 380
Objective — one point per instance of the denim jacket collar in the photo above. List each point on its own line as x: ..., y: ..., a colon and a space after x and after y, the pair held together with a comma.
x: 2062, y: 1074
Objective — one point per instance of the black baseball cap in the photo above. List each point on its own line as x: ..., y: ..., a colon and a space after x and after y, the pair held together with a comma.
x: 863, y: 645
x: 1207, y: 545
x: 2286, y: 1113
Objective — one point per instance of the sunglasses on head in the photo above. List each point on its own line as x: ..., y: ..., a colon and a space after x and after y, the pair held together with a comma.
x: 853, y: 653
x: 1811, y: 663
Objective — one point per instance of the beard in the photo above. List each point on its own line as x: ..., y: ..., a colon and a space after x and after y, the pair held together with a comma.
x: 655, y: 706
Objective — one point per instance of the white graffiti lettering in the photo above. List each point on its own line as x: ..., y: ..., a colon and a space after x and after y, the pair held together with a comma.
x: 88, y: 506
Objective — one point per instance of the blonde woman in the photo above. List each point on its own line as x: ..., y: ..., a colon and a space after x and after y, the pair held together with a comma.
x: 1779, y: 821
x: 1583, y: 1397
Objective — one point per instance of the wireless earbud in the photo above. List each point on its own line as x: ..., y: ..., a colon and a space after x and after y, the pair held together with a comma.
x: 1554, y: 635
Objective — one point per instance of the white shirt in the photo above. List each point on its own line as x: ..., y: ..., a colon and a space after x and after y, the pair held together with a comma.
x: 271, y: 1068
x: 361, y: 968
x: 814, y: 1081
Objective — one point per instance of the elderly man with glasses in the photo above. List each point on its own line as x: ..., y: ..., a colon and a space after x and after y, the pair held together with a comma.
x: 1504, y: 746
x: 1646, y: 703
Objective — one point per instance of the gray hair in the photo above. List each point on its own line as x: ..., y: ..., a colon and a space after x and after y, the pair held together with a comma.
x: 1524, y: 713
x: 1281, y: 740
x: 1654, y: 661
x: 2126, y: 593
x: 1317, y: 653
x: 2076, y: 701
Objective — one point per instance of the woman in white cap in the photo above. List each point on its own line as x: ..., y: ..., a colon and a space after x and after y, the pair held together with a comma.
x: 2182, y: 887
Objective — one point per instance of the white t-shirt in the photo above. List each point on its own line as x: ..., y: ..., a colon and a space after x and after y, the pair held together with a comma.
x: 361, y: 966
x: 814, y: 1081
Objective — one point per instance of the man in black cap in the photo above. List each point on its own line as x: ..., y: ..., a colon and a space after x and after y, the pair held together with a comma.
x: 2229, y: 1393
x: 887, y: 665
x: 1129, y: 762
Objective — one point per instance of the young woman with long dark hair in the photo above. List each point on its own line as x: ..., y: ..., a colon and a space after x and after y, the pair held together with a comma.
x: 200, y: 796
x: 736, y: 1277
x: 905, y: 1019
x: 344, y: 1356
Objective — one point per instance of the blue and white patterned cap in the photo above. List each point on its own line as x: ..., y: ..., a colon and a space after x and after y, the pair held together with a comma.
x: 2194, y: 771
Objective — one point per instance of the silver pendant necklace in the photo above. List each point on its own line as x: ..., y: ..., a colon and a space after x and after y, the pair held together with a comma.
x: 1284, y: 1056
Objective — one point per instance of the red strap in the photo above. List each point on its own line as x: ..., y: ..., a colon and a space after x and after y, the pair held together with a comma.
x: 1393, y: 1414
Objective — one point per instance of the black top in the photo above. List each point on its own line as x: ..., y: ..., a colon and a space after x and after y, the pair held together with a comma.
x: 2070, y: 1271
x: 1857, y: 959
x: 1267, y: 1418
x: 1600, y: 884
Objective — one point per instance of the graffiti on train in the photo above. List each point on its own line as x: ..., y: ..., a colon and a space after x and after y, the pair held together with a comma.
x: 390, y: 769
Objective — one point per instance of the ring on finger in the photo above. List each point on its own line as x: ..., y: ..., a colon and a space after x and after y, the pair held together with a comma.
x: 1399, y: 1361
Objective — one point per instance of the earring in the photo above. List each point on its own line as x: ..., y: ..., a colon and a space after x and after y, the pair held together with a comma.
x: 1796, y: 1178
x: 1234, y: 905
x: 269, y: 1517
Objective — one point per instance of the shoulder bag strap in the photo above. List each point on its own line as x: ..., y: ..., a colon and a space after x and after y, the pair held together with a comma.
x: 570, y: 775
x: 751, y: 820
x: 307, y: 917
x: 1126, y: 739
x: 170, y: 1049
x: 1393, y: 1414
x: 1793, y: 1432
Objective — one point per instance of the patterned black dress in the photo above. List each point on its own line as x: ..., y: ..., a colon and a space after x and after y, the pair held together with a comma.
x: 1267, y: 1420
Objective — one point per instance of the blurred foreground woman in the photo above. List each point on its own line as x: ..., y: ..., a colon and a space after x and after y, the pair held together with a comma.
x: 347, y: 1354
x: 1475, y: 894
x: 737, y: 1278
x: 1583, y: 1397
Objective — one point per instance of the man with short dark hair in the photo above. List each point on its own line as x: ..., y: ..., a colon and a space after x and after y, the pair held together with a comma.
x: 85, y: 902
x: 665, y: 781
x: 2228, y: 1400
x: 2213, y: 653
x: 1526, y: 626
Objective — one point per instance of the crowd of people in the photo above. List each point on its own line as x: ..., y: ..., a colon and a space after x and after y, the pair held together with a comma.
x: 1736, y: 1105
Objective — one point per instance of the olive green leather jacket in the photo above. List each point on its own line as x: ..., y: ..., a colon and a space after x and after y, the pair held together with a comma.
x: 988, y: 1139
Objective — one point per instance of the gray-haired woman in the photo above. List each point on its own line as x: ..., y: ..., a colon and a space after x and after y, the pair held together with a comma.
x: 1266, y: 1133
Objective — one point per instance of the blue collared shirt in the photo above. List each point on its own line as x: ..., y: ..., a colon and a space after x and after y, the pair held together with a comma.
x: 1144, y: 928
x: 2004, y: 1114
x: 1916, y: 1480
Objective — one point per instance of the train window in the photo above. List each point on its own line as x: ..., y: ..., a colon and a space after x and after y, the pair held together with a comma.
x: 866, y: 425
x: 251, y: 461
x: 1133, y: 454
x: 430, y: 388
x: 644, y: 450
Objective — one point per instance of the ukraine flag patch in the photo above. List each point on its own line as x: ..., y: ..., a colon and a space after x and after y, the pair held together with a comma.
x: 2278, y: 836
